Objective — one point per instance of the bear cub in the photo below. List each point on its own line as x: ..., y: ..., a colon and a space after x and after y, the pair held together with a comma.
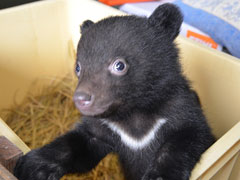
x: 135, y: 102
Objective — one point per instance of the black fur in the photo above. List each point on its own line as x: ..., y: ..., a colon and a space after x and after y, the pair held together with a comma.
x: 152, y: 88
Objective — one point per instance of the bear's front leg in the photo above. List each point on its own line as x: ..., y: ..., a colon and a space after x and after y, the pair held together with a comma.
x: 177, y: 157
x: 76, y: 151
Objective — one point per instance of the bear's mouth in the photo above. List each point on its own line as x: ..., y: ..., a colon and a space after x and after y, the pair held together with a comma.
x: 83, y: 103
x: 80, y: 104
x: 90, y: 108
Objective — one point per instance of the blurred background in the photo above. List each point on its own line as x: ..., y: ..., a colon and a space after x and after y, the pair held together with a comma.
x: 212, y: 23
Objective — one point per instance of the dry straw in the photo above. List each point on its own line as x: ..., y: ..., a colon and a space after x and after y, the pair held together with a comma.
x: 39, y: 119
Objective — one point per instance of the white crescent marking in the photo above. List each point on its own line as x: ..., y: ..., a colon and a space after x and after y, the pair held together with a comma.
x: 132, y: 142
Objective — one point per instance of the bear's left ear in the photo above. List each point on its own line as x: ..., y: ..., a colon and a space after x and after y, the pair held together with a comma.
x: 167, y: 19
x: 85, y: 25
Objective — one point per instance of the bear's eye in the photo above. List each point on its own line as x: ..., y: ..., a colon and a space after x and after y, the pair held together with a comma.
x: 118, y: 67
x: 78, y: 69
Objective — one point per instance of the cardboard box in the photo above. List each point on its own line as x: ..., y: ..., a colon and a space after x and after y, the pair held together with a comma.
x: 38, y: 40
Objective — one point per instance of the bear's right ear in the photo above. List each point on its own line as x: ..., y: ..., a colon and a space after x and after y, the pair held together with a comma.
x: 166, y: 19
x: 85, y: 25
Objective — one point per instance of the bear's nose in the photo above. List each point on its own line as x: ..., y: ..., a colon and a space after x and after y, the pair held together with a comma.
x: 82, y: 96
x: 82, y: 99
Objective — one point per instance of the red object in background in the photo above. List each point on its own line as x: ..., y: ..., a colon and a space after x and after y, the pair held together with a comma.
x: 119, y: 2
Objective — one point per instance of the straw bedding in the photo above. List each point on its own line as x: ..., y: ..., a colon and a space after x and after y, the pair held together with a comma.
x: 39, y: 119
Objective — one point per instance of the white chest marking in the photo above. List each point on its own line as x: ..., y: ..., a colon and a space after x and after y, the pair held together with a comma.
x: 135, y: 143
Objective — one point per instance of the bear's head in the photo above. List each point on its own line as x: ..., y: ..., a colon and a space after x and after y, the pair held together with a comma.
x: 127, y: 63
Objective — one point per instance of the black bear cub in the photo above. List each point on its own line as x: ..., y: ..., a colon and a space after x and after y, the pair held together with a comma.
x: 135, y: 103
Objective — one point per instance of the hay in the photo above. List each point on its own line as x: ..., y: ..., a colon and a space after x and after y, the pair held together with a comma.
x: 39, y: 119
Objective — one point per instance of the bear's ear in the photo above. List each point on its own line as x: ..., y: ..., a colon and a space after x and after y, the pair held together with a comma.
x: 167, y: 19
x: 85, y: 25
